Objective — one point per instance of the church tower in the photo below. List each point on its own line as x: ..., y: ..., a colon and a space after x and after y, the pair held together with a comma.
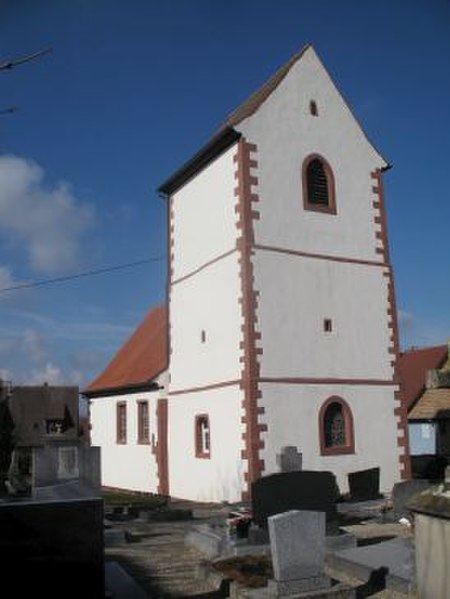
x: 282, y: 318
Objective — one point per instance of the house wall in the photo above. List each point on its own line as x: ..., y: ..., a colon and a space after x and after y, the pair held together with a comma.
x: 292, y: 413
x: 125, y: 466
x: 297, y: 294
x: 208, y: 302
x: 422, y: 438
x: 220, y: 477
x: 203, y: 218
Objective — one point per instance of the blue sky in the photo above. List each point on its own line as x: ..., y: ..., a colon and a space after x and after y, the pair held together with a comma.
x: 132, y: 89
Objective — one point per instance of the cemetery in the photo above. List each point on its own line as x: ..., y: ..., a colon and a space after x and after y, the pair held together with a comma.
x: 298, y: 537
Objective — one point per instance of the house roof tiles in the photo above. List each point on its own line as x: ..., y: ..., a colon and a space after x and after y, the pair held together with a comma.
x: 413, y: 365
x: 139, y: 361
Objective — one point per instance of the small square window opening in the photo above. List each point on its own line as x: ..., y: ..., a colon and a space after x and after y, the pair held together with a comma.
x: 327, y: 325
x: 313, y: 108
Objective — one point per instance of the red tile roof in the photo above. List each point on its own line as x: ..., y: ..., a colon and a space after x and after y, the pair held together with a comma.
x: 413, y: 365
x: 140, y: 360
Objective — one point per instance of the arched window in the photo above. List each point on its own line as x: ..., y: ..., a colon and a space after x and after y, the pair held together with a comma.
x: 336, y: 427
x: 318, y: 185
x: 202, y: 436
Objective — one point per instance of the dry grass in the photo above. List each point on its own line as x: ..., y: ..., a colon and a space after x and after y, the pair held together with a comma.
x: 252, y: 571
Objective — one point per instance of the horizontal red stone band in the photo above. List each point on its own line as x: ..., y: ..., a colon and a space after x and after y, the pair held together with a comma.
x: 203, y: 266
x: 279, y: 250
x: 206, y: 387
x: 326, y: 381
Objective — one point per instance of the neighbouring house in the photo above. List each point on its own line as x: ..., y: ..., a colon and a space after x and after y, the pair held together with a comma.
x: 32, y: 417
x: 425, y: 383
x: 281, y: 322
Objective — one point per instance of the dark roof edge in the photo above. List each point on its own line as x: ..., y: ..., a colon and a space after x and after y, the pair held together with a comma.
x: 121, y: 390
x: 218, y: 144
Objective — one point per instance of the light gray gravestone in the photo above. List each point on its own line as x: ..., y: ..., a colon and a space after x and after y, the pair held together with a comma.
x: 290, y: 459
x: 297, y: 541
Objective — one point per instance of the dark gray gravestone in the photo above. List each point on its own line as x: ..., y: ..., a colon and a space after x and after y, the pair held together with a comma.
x: 290, y: 459
x: 404, y: 491
x: 301, y: 490
x: 52, y: 548
x: 364, y: 484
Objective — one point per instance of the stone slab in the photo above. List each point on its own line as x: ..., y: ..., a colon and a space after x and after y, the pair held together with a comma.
x: 290, y: 459
x: 284, y: 588
x: 396, y: 555
x: 120, y: 585
x: 297, y: 541
x: 210, y: 543
x: 336, y: 591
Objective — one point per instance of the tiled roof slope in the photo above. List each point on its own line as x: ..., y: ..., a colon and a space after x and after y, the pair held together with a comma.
x: 140, y: 360
x: 413, y: 365
x: 434, y: 403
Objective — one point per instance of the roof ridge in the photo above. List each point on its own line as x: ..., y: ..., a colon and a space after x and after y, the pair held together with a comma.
x: 256, y: 98
x: 418, y: 349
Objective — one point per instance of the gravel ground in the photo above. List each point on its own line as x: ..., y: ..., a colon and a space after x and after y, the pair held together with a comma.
x: 158, y: 559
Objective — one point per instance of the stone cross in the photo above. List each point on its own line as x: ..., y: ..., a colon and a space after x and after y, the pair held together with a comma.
x: 297, y: 542
x: 290, y: 459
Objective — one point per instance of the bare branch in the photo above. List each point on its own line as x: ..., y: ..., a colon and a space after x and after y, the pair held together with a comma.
x: 14, y: 62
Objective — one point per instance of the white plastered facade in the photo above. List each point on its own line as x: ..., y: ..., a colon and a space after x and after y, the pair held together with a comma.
x: 130, y: 465
x: 333, y: 272
x: 205, y: 333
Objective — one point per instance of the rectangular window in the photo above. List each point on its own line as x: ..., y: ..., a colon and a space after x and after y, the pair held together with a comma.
x: 328, y: 325
x: 121, y: 417
x: 143, y: 423
x: 202, y: 436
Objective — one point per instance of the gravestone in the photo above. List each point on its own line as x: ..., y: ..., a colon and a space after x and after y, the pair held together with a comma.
x: 64, y: 463
x: 52, y: 549
x: 364, y: 484
x: 301, y: 490
x: 290, y: 459
x: 297, y: 542
x: 403, y: 492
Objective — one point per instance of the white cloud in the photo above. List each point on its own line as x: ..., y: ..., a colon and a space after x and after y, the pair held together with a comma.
x: 34, y: 345
x: 48, y: 222
x: 54, y: 375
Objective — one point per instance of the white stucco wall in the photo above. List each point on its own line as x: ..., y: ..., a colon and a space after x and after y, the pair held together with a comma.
x: 219, y: 478
x: 207, y: 302
x: 292, y: 415
x: 203, y: 217
x: 297, y: 294
x: 285, y: 134
x: 128, y: 466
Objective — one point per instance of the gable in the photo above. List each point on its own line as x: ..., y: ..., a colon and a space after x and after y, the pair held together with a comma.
x: 230, y: 130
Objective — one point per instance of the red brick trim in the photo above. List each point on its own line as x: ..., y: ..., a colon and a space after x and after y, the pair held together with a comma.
x: 246, y: 212
x: 121, y: 435
x: 162, y: 461
x: 401, y: 410
x: 200, y: 451
x: 203, y: 266
x: 349, y: 446
x: 330, y: 208
x: 206, y: 387
x: 327, y: 381
x: 270, y: 248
